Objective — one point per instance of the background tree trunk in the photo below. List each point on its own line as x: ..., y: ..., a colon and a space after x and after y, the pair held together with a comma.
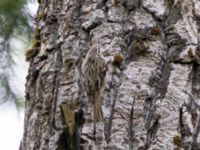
x: 151, y: 93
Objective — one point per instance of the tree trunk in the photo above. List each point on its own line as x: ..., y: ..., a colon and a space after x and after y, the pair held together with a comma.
x: 150, y: 98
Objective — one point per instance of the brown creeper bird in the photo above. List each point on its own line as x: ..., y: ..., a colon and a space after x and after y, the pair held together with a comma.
x: 94, y: 70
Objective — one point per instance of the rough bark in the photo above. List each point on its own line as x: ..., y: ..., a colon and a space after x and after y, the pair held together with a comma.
x: 151, y: 94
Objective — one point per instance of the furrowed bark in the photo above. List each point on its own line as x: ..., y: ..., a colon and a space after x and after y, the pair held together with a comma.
x: 151, y: 93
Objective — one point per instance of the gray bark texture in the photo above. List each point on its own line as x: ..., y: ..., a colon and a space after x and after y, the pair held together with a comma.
x: 150, y: 98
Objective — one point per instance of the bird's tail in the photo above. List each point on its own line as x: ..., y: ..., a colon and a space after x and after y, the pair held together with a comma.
x: 97, y: 109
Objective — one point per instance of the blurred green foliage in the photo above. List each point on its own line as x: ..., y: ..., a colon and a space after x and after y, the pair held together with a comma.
x: 13, y: 24
x: 12, y: 17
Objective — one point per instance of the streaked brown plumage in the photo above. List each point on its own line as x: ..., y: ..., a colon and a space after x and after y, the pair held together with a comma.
x: 94, y: 70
